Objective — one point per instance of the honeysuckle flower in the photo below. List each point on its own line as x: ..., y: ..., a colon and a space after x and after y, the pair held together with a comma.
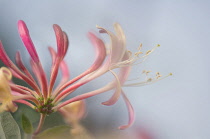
x: 42, y: 95
x: 117, y: 57
x: 73, y: 113
x: 45, y: 97
x: 9, y: 92
x: 5, y: 91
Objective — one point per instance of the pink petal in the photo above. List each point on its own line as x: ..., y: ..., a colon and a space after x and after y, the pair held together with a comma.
x: 16, y: 72
x: 4, y: 57
x: 22, y: 66
x: 120, y: 33
x: 65, y: 71
x: 40, y: 75
x: 54, y: 73
x: 66, y: 43
x: 100, y: 56
x: 117, y: 92
x: 130, y: 111
x: 61, y: 48
x: 120, y: 79
x: 65, y: 76
x: 63, y: 67
x: 25, y: 102
x: 86, y: 95
x: 25, y: 89
x: 99, y: 49
x: 117, y: 46
x: 17, y: 96
x: 124, y: 71
x: 35, y: 71
x: 19, y: 90
x: 59, y: 39
x: 53, y: 54
x: 25, y: 36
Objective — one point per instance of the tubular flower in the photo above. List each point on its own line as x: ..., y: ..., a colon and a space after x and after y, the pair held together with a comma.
x: 45, y: 97
x: 73, y: 113
x: 6, y: 97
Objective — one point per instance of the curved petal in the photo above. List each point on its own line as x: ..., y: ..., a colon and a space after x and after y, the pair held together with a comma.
x: 119, y: 81
x: 66, y: 44
x: 17, y: 73
x: 117, y: 46
x: 130, y: 111
x: 120, y: 33
x: 65, y: 71
x: 19, y: 62
x: 99, y: 49
x: 86, y: 95
x: 100, y: 57
x: 53, y: 54
x: 24, y: 34
x: 117, y: 92
x: 59, y: 39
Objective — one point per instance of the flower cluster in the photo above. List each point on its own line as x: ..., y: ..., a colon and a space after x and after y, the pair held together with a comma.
x: 45, y: 97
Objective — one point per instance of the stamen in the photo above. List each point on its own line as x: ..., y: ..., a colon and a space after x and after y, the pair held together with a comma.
x: 148, y: 81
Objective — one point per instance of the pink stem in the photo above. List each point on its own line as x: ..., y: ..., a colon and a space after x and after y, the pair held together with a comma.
x: 26, y: 103
x: 41, y: 122
x: 86, y: 95
x: 19, y: 62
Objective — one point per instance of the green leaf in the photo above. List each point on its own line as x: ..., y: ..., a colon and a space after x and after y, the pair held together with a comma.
x: 58, y: 132
x: 26, y: 124
x: 8, y: 127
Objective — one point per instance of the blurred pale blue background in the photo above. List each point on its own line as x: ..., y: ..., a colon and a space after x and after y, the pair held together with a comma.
x: 175, y: 108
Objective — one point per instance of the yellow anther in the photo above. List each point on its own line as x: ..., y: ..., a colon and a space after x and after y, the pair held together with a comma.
x: 146, y: 71
x: 158, y: 45
x: 149, y: 80
x: 138, y: 53
x: 157, y: 77
x: 157, y: 73
x: 140, y: 46
x: 149, y: 51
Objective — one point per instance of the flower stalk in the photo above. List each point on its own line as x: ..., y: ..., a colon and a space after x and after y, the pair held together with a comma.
x: 41, y: 122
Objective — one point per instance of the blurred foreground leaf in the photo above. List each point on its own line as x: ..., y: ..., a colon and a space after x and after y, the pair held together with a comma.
x: 8, y: 127
x: 58, y: 132
x: 26, y: 124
